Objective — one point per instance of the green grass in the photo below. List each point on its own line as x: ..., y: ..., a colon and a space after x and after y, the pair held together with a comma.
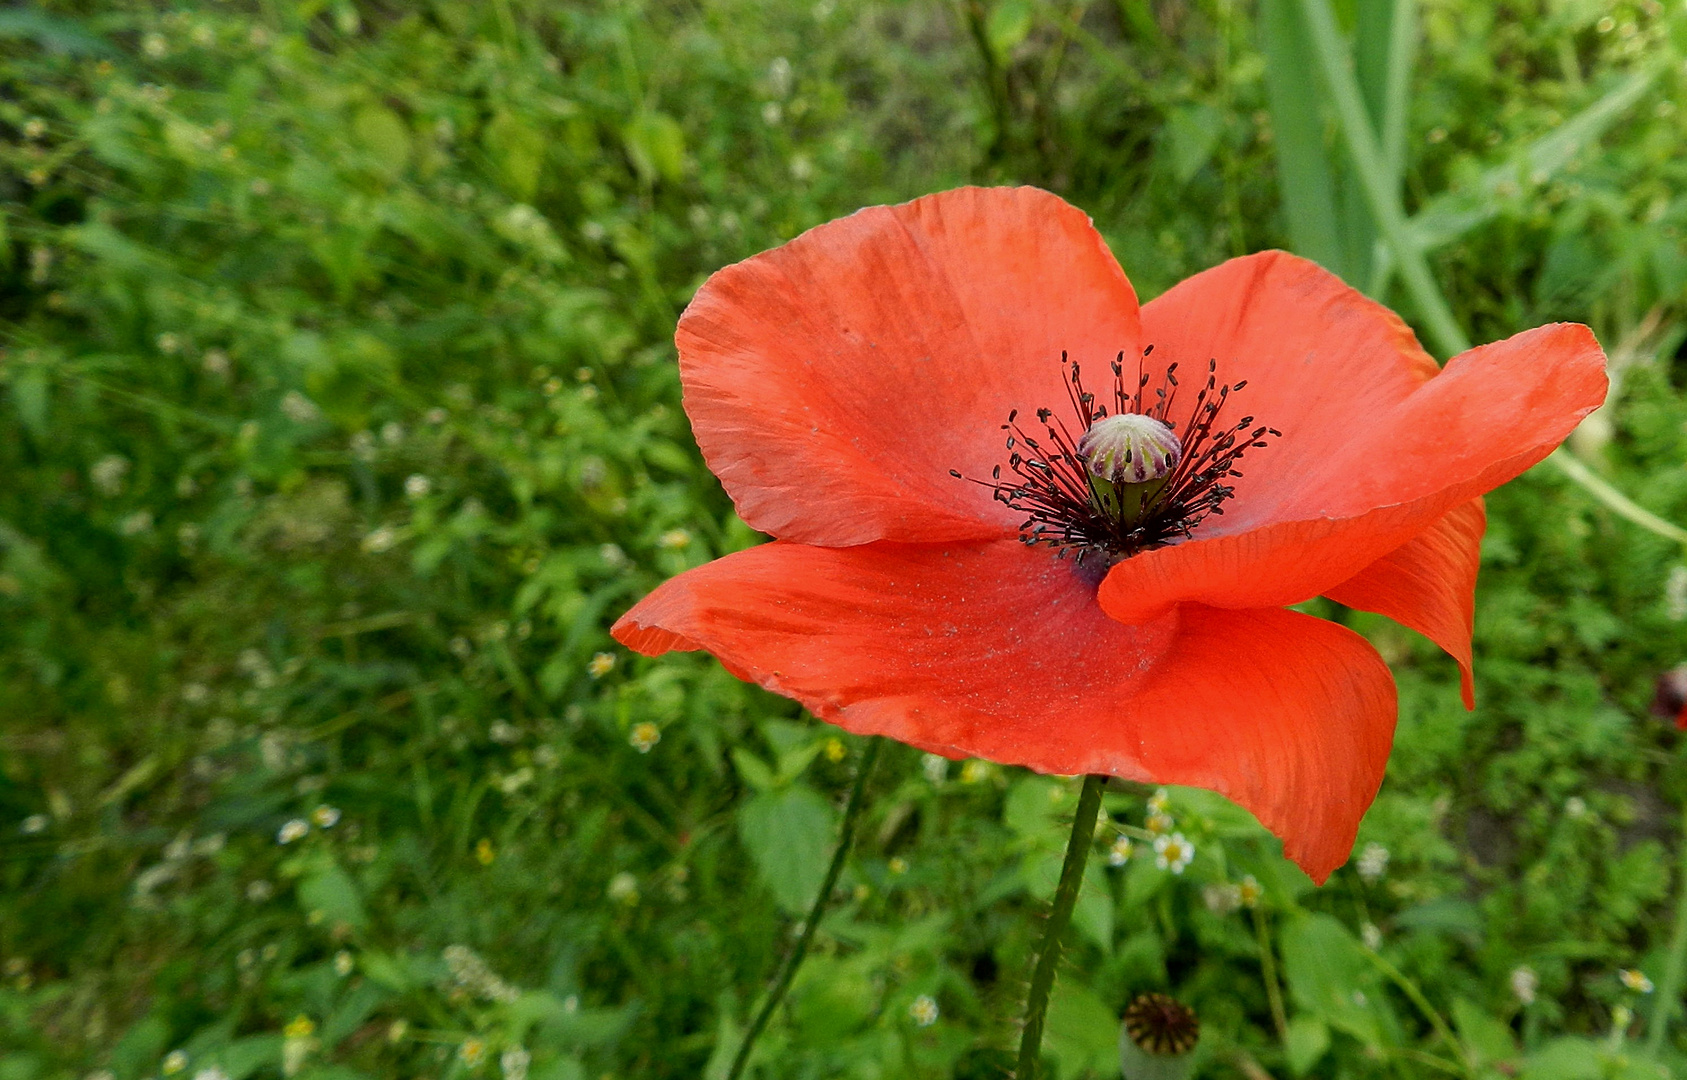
x: 340, y: 418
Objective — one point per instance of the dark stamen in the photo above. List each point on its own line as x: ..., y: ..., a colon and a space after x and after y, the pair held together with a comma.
x: 1053, y: 489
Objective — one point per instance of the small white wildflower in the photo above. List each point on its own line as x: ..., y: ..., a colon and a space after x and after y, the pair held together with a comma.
x: 1159, y: 802
x: 155, y: 45
x: 514, y: 1062
x: 416, y: 485
x: 293, y: 830
x: 1222, y: 899
x: 215, y: 362
x: 1575, y: 807
x: 674, y: 539
x: 1159, y: 823
x: 108, y: 474
x: 213, y: 1072
x: 382, y: 539
x: 935, y: 767
x: 343, y: 963
x: 1373, y: 862
x: 1250, y: 892
x: 623, y: 888
x: 974, y: 772
x: 436, y: 415
x: 802, y: 167
x: 325, y: 817
x: 779, y: 76
x: 472, y: 1052
x: 392, y: 432
x: 503, y: 733
x: 1635, y: 980
x: 259, y: 891
x: 897, y: 865
x: 1371, y: 936
x: 1524, y: 983
x: 298, y: 408
x: 1173, y: 852
x: 34, y: 128
x: 136, y: 523
x: 600, y: 665
x: 644, y: 736
x: 771, y: 113
x: 174, y: 1062
x: 1121, y: 851
x: 33, y: 824
x: 612, y: 556
x: 923, y: 1010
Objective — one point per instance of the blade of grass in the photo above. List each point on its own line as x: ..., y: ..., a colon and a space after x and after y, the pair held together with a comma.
x: 1297, y: 127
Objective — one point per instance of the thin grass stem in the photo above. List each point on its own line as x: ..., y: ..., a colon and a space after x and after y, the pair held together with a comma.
x: 1675, y: 968
x: 788, y: 971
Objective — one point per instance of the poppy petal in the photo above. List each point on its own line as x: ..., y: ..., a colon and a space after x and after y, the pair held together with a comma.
x: 1429, y: 585
x: 1392, y: 472
x: 834, y: 382
x: 996, y: 650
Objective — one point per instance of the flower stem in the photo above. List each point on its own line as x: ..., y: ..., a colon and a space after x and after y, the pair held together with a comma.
x: 1268, y: 971
x: 788, y: 970
x: 1675, y: 968
x: 1060, y: 915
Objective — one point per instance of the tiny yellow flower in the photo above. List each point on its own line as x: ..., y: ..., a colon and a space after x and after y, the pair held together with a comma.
x: 174, y: 1062
x: 675, y: 539
x: 898, y: 865
x: 974, y: 772
x: 1250, y: 892
x: 300, y: 1027
x: 600, y: 665
x: 644, y: 736
x: 483, y: 852
x: 325, y: 817
x: 397, y: 1030
x: 472, y: 1052
x: 835, y: 750
x: 342, y: 963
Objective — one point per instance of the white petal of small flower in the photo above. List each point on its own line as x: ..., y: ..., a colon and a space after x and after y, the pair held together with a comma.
x: 293, y: 830
x: 923, y: 1010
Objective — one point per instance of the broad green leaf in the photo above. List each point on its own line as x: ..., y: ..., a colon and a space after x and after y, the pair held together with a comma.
x: 1487, y: 1039
x: 1305, y: 1042
x: 788, y: 833
x: 1568, y: 1058
x: 656, y: 145
x: 1331, y: 977
x: 329, y: 895
x: 1008, y: 25
x: 1192, y: 132
x: 519, y: 151
x: 383, y: 136
x: 1082, y: 1032
x: 753, y: 769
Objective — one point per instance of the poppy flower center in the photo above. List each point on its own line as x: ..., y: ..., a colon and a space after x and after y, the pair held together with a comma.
x: 1126, y: 481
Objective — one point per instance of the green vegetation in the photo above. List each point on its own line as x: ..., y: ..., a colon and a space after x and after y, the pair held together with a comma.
x: 339, y: 418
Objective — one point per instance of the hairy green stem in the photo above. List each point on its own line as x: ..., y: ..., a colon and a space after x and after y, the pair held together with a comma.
x: 1060, y: 916
x: 1675, y: 968
x: 787, y: 971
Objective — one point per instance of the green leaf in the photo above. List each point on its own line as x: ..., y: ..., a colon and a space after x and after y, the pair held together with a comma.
x: 328, y: 894
x: 383, y: 137
x: 1568, y: 1058
x: 1008, y: 25
x: 1331, y: 977
x: 1192, y: 133
x: 1082, y: 1032
x: 1305, y: 1042
x: 656, y: 145
x: 519, y: 151
x: 753, y: 770
x: 1487, y: 1039
x: 788, y: 833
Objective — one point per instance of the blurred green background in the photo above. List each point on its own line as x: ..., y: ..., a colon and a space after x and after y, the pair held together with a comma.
x: 339, y: 418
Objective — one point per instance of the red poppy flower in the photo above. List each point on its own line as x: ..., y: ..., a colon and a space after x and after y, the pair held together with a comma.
x: 1103, y: 587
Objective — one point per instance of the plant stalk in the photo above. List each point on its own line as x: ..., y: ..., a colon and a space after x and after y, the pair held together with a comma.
x: 788, y: 971
x: 1675, y: 968
x: 1268, y: 971
x: 1060, y: 916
